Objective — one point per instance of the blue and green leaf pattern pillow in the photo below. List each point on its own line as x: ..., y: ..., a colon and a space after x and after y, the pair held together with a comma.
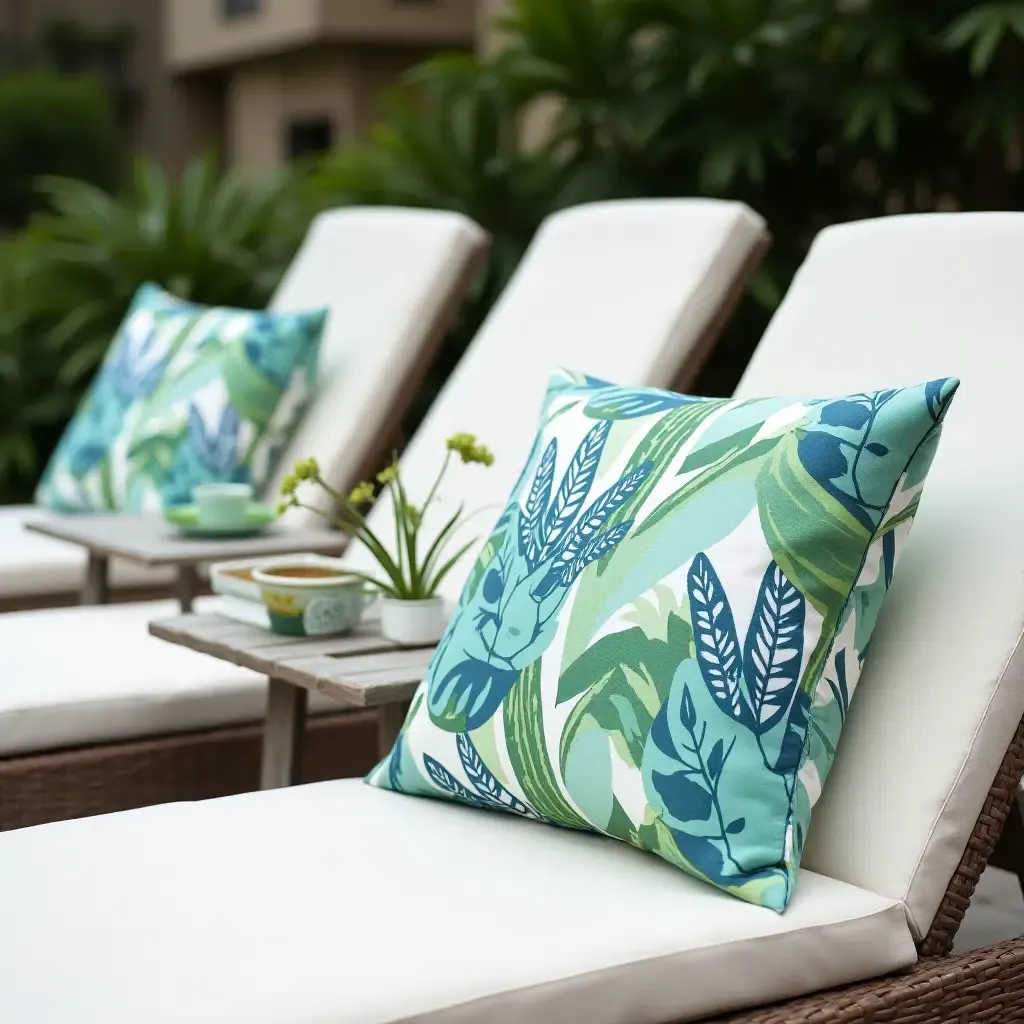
x: 662, y: 636
x: 187, y: 394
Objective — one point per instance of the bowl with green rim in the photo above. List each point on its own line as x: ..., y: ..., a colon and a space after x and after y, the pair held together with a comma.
x: 310, y: 595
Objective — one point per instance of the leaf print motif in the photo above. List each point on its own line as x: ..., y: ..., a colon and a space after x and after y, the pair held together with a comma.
x: 484, y: 782
x: 774, y: 648
x: 443, y: 779
x: 616, y: 403
x: 575, y: 487
x: 597, y: 514
x: 718, y: 647
x: 594, y: 549
x: 531, y: 525
x: 839, y: 687
x: 217, y: 451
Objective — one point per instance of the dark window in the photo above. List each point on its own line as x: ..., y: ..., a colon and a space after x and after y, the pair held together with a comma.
x: 310, y: 135
x: 239, y: 8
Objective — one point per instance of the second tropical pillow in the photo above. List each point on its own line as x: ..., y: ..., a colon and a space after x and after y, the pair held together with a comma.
x: 663, y: 633
x: 187, y: 394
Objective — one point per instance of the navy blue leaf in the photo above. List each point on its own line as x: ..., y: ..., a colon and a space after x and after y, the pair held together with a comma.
x: 683, y: 798
x: 628, y: 403
x: 718, y: 648
x: 483, y: 780
x: 877, y: 448
x: 595, y: 548
x: 597, y: 514
x: 736, y: 826
x: 838, y: 686
x: 531, y: 524
x: 792, y: 748
x: 822, y: 455
x: 845, y: 413
x: 492, y: 586
x: 703, y: 855
x: 443, y: 779
x: 774, y: 648
x: 468, y: 695
x: 715, y: 759
x: 574, y: 488
x: 935, y: 398
x: 888, y: 556
x: 688, y: 714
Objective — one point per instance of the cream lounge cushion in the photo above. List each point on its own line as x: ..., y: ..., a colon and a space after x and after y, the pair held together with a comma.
x: 656, y: 272
x: 31, y: 564
x: 904, y: 299
x: 342, y: 903
x: 91, y: 689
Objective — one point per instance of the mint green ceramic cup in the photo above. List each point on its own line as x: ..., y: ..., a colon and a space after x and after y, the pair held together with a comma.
x: 222, y: 506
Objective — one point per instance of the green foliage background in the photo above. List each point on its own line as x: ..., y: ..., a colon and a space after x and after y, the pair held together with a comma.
x: 811, y: 111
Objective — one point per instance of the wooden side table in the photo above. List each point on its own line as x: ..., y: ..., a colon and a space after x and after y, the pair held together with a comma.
x: 359, y: 670
x: 150, y: 541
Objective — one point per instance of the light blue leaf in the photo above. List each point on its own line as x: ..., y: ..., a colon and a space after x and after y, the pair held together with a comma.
x: 531, y: 524
x: 217, y: 451
x: 574, y: 488
x: 484, y: 782
x: 714, y: 633
x: 774, y: 649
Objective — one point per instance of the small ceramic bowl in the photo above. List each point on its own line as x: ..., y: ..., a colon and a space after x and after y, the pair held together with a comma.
x: 309, y: 595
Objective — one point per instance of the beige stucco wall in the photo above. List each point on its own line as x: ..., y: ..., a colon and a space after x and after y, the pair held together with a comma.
x: 439, y: 23
x: 262, y: 97
x: 196, y: 36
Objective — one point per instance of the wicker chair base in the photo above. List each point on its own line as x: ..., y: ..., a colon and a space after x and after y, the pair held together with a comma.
x: 75, y: 783
x: 986, y: 985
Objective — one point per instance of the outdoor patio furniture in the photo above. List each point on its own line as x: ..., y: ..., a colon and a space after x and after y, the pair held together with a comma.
x: 342, y: 902
x: 112, y: 718
x: 393, y: 279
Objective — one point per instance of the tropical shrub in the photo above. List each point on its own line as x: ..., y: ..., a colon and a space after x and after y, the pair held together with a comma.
x: 70, y: 278
x: 52, y: 124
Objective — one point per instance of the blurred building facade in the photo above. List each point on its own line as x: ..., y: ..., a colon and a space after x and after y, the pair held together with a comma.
x: 259, y: 81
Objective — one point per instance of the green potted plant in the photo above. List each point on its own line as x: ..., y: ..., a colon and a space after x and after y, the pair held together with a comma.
x: 411, y: 610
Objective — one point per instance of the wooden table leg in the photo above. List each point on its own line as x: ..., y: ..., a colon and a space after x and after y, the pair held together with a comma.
x: 283, y: 733
x: 187, y: 586
x: 390, y: 719
x: 96, y: 588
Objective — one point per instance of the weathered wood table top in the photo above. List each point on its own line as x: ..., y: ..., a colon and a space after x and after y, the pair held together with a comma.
x: 150, y: 540
x: 360, y: 669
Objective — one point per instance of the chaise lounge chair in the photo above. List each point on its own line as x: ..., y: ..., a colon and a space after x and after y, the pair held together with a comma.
x: 111, y: 718
x: 339, y: 902
x: 393, y: 279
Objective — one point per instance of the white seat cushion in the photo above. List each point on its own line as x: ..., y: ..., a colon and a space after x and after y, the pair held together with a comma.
x: 72, y: 677
x: 31, y: 564
x: 883, y: 303
x: 342, y: 903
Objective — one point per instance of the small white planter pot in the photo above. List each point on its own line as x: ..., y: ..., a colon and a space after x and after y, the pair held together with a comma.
x: 412, y: 622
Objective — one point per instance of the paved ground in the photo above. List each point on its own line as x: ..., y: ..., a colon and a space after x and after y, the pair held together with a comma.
x: 996, y: 912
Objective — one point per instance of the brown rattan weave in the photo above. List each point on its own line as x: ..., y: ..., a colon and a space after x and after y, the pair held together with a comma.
x: 982, y: 987
x: 186, y: 766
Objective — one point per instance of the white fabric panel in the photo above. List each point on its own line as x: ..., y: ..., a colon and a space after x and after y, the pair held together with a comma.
x: 73, y: 676
x: 620, y: 290
x: 886, y: 303
x: 342, y: 903
x: 32, y: 564
x: 616, y: 289
x: 388, y: 275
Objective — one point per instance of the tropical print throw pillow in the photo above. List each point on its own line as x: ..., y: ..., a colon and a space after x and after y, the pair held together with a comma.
x: 661, y: 638
x: 187, y: 394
